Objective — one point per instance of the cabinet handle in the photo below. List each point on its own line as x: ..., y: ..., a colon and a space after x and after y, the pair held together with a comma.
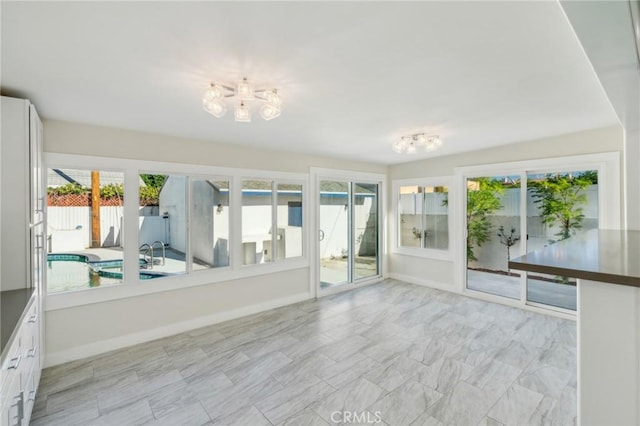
x: 14, y: 363
x: 33, y: 318
x: 32, y: 396
x: 20, y: 406
x: 39, y: 239
x: 32, y: 352
x: 40, y: 205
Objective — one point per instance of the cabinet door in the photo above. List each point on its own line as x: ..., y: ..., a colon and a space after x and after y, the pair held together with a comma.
x: 38, y: 195
x: 38, y: 271
x: 12, y: 409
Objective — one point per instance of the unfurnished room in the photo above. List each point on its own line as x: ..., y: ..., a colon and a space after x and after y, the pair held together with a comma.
x: 320, y: 213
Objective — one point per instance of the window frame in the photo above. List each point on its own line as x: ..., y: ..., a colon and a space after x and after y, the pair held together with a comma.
x: 424, y: 252
x: 131, y: 284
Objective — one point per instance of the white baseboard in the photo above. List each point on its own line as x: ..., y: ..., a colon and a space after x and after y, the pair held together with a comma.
x: 426, y: 283
x: 103, y: 346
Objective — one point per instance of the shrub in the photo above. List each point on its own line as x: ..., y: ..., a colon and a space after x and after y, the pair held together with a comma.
x: 113, y: 190
x: 149, y: 196
x: 68, y: 189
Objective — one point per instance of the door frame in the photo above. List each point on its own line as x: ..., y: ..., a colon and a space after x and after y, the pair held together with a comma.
x: 316, y: 175
x: 609, y: 210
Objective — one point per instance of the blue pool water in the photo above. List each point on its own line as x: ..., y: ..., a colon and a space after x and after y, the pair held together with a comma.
x: 67, y: 272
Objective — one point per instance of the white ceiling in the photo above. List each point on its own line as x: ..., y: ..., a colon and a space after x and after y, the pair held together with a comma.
x: 354, y: 76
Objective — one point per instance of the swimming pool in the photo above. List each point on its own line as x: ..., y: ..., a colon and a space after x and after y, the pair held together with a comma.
x: 75, y: 271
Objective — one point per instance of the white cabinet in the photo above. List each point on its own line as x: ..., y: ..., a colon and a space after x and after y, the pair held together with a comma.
x: 22, y: 259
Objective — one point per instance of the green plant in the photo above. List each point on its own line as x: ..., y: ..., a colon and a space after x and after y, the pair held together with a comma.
x: 112, y: 190
x: 149, y: 196
x: 68, y: 189
x: 154, y: 181
x: 560, y: 198
x: 481, y: 202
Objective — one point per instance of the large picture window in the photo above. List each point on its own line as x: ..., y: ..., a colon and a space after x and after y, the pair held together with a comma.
x: 257, y: 221
x: 209, y: 223
x: 85, y: 219
x: 423, y: 216
x: 188, y: 222
x: 271, y: 221
x: 289, y: 215
x: 163, y: 225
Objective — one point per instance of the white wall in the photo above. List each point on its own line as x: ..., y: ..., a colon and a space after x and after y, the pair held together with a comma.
x: 81, y: 139
x: 163, y: 313
x: 441, y: 273
x: 64, y: 219
x: 131, y: 320
x: 173, y: 202
x: 90, y: 329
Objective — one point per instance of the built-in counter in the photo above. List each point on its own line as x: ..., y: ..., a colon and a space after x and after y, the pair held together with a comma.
x: 13, y: 305
x: 599, y: 255
x: 607, y: 266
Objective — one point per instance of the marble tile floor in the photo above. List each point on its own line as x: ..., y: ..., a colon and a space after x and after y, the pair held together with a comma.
x: 390, y: 354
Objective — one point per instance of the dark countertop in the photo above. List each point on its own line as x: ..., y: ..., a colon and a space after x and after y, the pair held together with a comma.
x: 13, y: 304
x: 599, y: 255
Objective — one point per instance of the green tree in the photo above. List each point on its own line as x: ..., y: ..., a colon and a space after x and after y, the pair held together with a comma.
x: 560, y: 198
x: 481, y: 202
x: 150, y: 192
x: 153, y: 181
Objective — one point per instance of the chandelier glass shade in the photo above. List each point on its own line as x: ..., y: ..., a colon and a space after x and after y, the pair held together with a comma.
x: 417, y: 142
x: 213, y: 100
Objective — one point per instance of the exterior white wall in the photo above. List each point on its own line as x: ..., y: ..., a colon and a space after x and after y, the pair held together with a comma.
x: 64, y: 219
x: 132, y: 320
x: 173, y: 198
x: 442, y: 273
x: 334, y: 221
x: 152, y: 228
x: 206, y: 223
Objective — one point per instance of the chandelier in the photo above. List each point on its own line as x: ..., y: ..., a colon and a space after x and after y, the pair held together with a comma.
x: 244, y: 94
x: 412, y: 143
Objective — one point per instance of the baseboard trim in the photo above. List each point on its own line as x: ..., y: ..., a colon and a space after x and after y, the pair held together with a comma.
x: 103, y: 346
x: 422, y: 282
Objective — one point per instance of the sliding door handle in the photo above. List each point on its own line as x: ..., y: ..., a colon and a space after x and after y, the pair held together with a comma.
x: 320, y: 235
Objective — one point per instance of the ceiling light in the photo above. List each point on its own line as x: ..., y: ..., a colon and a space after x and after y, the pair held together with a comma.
x: 244, y: 90
x: 272, y: 97
x: 214, y: 92
x: 214, y: 107
x: 411, y: 143
x: 242, y: 113
x: 213, y: 100
x: 269, y: 111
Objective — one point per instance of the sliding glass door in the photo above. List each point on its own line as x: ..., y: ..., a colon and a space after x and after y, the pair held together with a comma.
x: 561, y: 205
x: 510, y: 215
x: 493, y: 234
x: 365, y: 230
x: 334, y: 236
x: 348, y: 241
